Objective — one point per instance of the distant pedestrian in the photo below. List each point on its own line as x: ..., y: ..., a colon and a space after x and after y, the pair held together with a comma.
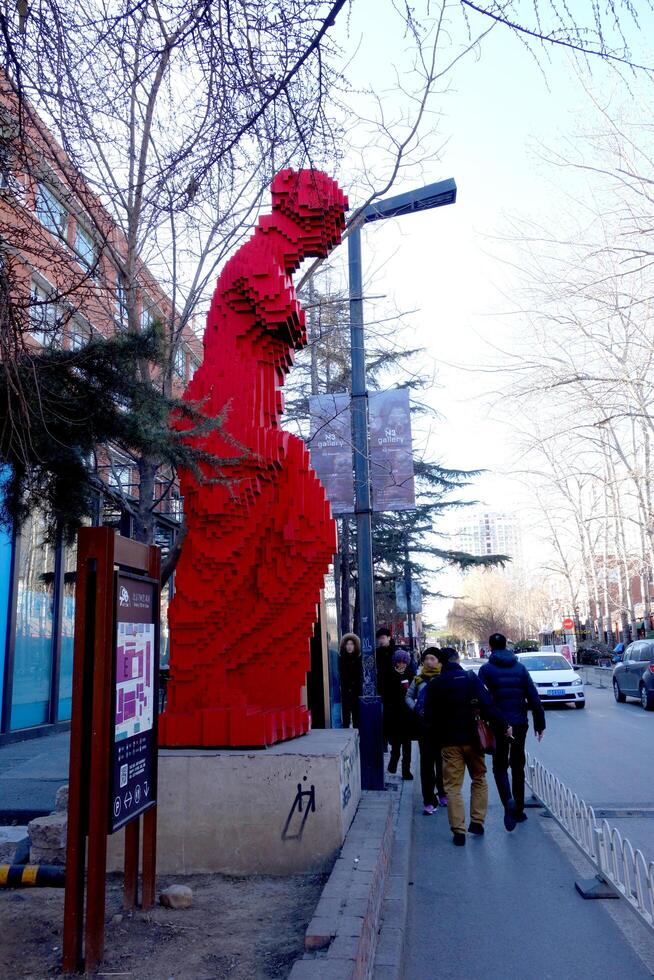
x: 514, y: 693
x: 351, y: 677
x: 452, y: 700
x: 431, y: 762
x: 398, y: 718
x: 384, y: 657
x: 482, y: 653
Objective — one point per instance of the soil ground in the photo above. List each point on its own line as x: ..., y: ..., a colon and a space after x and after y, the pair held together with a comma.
x: 240, y: 928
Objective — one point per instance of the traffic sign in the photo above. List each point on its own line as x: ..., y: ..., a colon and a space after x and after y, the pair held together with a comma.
x: 568, y: 624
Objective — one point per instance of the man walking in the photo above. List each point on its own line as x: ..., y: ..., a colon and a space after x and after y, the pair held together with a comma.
x: 514, y: 693
x: 451, y: 702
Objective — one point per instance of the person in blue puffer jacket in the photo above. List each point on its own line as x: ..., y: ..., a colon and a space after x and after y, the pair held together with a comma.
x: 514, y: 693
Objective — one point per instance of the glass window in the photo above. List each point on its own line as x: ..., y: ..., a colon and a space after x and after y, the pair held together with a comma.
x: 45, y: 320
x: 78, y: 334
x: 50, y: 211
x: 179, y: 365
x: 34, y: 619
x: 64, y: 707
x: 147, y: 315
x: 85, y: 248
x: 119, y: 476
x: 545, y: 663
x: 121, y: 301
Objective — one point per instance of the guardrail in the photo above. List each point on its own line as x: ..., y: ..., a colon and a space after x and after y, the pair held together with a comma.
x: 601, y: 676
x: 624, y: 869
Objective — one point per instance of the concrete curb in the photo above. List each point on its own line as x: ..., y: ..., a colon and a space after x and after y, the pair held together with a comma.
x: 389, y: 956
x: 341, y: 939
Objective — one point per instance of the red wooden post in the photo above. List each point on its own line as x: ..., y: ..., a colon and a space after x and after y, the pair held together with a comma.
x: 100, y: 550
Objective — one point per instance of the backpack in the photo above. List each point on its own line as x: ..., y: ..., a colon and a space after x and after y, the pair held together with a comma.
x: 420, y: 700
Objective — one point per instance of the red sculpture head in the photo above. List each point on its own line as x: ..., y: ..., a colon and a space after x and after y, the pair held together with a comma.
x: 315, y: 203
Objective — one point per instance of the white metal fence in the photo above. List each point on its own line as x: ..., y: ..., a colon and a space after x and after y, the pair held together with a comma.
x: 613, y: 856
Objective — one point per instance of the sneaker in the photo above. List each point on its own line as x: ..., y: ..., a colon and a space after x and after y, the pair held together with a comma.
x: 509, y: 816
x: 442, y: 800
x: 407, y: 775
x: 459, y: 839
x: 521, y: 817
x: 392, y: 767
x: 476, y: 828
x: 428, y: 810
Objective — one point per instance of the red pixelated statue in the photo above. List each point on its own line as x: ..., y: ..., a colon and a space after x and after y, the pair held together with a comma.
x: 257, y: 550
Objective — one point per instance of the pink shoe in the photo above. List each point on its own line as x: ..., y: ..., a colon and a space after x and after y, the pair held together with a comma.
x: 442, y: 800
x: 428, y: 810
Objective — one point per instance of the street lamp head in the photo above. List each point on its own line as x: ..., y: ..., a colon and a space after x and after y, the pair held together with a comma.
x: 423, y: 199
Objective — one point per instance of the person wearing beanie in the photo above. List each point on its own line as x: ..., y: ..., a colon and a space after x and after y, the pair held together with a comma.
x: 398, y: 719
x: 351, y: 677
x: 384, y: 657
x: 514, y: 693
x: 431, y: 762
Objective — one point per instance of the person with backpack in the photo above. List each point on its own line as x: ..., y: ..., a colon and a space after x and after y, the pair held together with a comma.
x: 452, y: 703
x: 514, y: 693
x: 431, y: 762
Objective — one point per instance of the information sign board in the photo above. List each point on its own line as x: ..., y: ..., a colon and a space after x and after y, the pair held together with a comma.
x: 133, y: 741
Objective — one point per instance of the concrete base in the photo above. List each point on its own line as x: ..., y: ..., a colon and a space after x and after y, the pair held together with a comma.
x: 281, y: 810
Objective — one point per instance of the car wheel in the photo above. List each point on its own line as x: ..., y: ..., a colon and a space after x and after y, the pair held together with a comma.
x: 645, y: 699
x: 617, y: 693
x: 580, y: 704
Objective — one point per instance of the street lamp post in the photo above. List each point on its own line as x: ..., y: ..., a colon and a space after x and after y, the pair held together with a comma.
x: 370, y: 713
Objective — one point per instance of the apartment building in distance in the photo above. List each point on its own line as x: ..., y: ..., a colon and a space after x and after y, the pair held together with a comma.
x: 486, y: 532
x: 66, y: 256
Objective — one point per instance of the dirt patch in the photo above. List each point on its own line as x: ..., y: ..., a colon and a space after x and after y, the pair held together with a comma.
x: 241, y: 928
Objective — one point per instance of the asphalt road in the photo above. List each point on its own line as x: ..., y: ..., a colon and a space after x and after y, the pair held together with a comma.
x: 604, y: 754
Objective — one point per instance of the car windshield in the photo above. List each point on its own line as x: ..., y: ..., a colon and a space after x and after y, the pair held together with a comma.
x: 545, y: 663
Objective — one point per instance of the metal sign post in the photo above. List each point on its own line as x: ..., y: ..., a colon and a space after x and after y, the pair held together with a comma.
x: 114, y: 706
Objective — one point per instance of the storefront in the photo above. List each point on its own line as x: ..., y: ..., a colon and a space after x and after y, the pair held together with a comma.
x: 37, y: 609
x: 37, y: 621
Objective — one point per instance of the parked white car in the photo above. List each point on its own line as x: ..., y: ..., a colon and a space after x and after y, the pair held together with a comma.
x: 555, y: 678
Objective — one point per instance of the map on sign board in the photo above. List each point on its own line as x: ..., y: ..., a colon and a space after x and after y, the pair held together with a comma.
x: 134, y: 679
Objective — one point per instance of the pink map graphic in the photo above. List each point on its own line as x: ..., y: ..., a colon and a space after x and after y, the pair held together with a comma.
x: 134, y: 679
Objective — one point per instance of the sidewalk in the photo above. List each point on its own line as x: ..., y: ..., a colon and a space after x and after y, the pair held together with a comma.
x: 504, y: 907
x: 31, y: 772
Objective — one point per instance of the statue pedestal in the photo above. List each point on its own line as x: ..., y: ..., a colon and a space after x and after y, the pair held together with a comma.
x: 281, y: 810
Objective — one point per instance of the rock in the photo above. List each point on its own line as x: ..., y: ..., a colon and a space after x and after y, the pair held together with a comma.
x: 48, y: 838
x: 176, y: 897
x: 10, y: 839
x: 117, y: 918
x: 61, y: 799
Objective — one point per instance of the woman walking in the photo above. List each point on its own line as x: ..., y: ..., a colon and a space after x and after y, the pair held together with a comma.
x: 431, y: 762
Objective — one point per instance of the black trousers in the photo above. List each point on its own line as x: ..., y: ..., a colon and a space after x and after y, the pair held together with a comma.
x: 510, y: 754
x: 404, y: 745
x: 350, y: 710
x: 431, y: 771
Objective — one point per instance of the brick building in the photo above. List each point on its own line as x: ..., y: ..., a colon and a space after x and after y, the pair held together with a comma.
x: 68, y: 259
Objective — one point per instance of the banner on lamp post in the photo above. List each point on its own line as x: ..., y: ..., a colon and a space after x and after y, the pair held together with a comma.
x: 330, y: 445
x: 391, y: 450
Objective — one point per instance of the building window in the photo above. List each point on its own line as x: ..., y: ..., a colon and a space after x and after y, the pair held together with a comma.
x: 85, y: 248
x: 193, y: 365
x: 121, y: 302
x: 179, y: 363
x: 119, y: 476
x: 45, y: 317
x: 78, y: 335
x: 50, y: 211
x: 147, y: 314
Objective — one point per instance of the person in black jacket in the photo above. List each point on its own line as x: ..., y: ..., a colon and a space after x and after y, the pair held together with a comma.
x: 384, y: 657
x: 351, y: 677
x: 451, y: 701
x: 514, y: 693
x: 398, y: 718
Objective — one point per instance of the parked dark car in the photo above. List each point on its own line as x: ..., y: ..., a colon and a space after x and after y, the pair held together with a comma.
x: 634, y: 677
